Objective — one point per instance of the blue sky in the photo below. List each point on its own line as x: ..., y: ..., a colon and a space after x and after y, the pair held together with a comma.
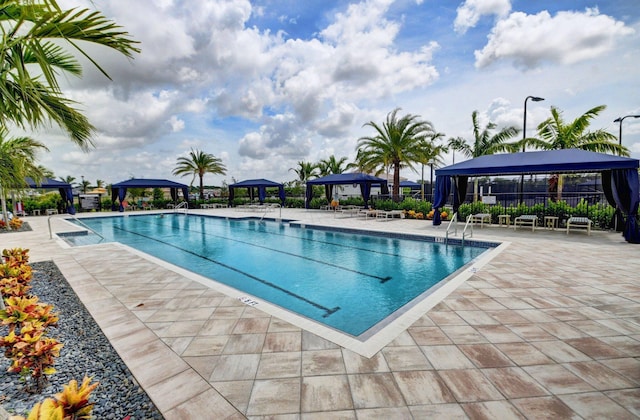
x: 265, y: 84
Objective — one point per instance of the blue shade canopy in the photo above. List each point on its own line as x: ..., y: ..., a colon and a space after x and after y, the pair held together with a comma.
x: 410, y: 184
x: 545, y: 162
x: 63, y: 187
x: 261, y: 185
x: 364, y: 180
x: 119, y: 190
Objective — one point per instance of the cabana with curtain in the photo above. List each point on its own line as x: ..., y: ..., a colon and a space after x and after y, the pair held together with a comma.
x: 64, y: 188
x: 619, y: 178
x: 365, y: 181
x: 119, y: 190
x: 261, y: 185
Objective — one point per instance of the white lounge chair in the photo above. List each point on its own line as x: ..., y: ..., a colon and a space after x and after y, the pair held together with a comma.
x: 526, y: 220
x: 480, y: 218
x: 579, y: 223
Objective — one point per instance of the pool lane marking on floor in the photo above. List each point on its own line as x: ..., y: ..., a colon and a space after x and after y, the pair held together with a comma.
x: 328, y: 311
x: 382, y: 279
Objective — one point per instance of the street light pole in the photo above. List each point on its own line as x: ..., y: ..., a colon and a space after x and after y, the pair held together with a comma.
x: 524, y: 136
x: 619, y: 120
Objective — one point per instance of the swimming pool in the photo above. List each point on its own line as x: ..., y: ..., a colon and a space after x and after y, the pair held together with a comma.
x: 345, y: 280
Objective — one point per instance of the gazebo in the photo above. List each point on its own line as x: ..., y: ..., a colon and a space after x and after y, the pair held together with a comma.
x: 619, y: 178
x: 65, y: 189
x: 261, y: 185
x: 365, y: 181
x: 119, y: 190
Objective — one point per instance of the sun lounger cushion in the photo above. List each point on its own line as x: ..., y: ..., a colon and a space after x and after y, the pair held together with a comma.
x: 526, y: 220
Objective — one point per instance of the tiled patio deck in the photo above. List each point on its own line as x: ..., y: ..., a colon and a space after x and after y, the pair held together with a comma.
x: 550, y: 328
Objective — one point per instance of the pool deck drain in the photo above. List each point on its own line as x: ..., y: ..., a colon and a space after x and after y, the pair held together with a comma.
x: 547, y: 328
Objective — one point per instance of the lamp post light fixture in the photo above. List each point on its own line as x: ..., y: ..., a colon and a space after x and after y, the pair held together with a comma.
x: 524, y: 135
x: 619, y: 120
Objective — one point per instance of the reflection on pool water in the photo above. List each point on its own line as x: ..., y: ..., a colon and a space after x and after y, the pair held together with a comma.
x: 346, y: 280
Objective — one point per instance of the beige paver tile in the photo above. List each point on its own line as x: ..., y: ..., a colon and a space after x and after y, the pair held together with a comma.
x: 396, y: 413
x: 279, y: 365
x: 423, y: 387
x: 403, y: 339
x: 425, y: 336
x: 523, y: 354
x: 441, y: 318
x: 311, y: 341
x: 599, y: 376
x: 208, y: 404
x: 545, y: 408
x: 176, y: 390
x: 275, y: 396
x: 560, y: 351
x: 237, y: 393
x: 206, y: 346
x: 235, y: 367
x: 244, y: 343
x: 283, y: 341
x: 372, y: 390
x: 355, y: 363
x: 251, y: 326
x: 594, y: 405
x: 463, y: 334
x: 502, y: 410
x: 438, y: 411
x: 498, y: 334
x: 485, y: 355
x: 514, y: 382
x: 594, y: 348
x: 322, y: 362
x: 405, y: 358
x: 530, y: 332
x: 330, y: 415
x: 627, y: 398
x: 628, y: 367
x: 469, y: 385
x: 477, y: 318
x: 325, y: 393
x: 204, y: 365
x: 182, y: 329
x: 562, y: 330
x: 217, y: 326
x: 557, y: 379
x: 446, y: 357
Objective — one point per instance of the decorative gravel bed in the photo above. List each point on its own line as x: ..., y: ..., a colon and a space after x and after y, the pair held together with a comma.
x: 86, y: 352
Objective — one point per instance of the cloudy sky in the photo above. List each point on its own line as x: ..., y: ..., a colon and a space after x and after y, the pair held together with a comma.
x: 264, y: 84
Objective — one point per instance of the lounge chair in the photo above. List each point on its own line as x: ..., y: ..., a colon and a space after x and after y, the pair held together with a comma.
x: 579, y: 223
x: 526, y: 220
x: 479, y: 218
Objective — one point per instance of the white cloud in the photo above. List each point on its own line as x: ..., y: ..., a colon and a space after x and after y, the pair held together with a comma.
x: 470, y: 12
x: 567, y: 38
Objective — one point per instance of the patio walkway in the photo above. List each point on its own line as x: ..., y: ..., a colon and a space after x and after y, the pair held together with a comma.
x: 550, y: 328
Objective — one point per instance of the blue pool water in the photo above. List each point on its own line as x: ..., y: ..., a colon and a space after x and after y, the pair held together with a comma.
x: 344, y: 280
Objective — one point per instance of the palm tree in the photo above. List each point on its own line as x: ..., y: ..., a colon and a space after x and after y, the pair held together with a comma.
x: 199, y: 163
x: 395, y: 144
x: 455, y: 143
x: 305, y: 171
x: 431, y: 154
x: 71, y: 180
x: 17, y: 161
x: 554, y: 134
x: 32, y: 57
x: 46, y: 172
x: 485, y: 143
x: 329, y: 166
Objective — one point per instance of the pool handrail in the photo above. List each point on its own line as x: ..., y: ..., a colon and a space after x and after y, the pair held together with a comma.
x: 468, y: 224
x: 454, y: 219
x: 84, y: 225
x: 183, y: 205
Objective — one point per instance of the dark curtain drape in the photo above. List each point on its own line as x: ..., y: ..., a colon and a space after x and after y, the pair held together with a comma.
x: 617, y: 221
x: 460, y: 184
x: 122, y: 193
x: 308, y: 196
x: 114, y: 197
x: 365, y: 190
x: 67, y: 195
x: 443, y: 188
x: 262, y: 194
x: 626, y: 193
x: 328, y: 192
x: 174, y: 194
x: 281, y: 194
